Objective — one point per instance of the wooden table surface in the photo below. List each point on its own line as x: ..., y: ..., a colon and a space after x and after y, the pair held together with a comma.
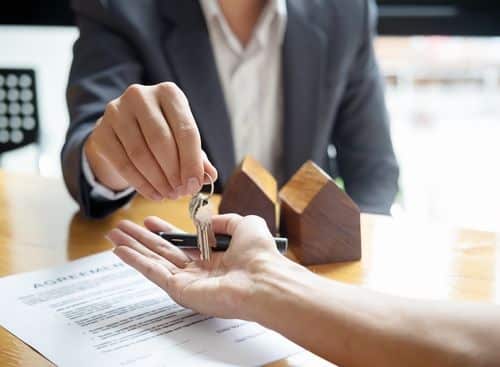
x: 40, y: 227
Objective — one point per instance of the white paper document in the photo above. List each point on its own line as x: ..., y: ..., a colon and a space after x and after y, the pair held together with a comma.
x: 97, y: 311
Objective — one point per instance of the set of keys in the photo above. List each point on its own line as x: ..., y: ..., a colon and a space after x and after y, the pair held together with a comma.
x: 201, y: 215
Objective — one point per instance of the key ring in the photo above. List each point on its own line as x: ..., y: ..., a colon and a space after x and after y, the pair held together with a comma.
x: 212, y: 186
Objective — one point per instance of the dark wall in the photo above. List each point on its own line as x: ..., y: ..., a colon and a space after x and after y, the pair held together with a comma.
x: 36, y: 12
x: 397, y: 17
x: 470, y: 4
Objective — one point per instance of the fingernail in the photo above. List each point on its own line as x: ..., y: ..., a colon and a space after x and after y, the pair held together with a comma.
x: 193, y: 185
x: 179, y: 191
x: 157, y: 197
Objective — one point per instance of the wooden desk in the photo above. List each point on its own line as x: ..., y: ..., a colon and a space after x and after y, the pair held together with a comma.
x: 39, y: 228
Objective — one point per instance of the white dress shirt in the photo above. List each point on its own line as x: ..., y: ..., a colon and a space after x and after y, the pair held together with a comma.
x: 251, y: 80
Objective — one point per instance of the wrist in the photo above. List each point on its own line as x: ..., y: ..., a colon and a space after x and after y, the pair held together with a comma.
x: 275, y: 284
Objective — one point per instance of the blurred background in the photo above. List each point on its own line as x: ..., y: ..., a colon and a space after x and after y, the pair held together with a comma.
x: 440, y: 59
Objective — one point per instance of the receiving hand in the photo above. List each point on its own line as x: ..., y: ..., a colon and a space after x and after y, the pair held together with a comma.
x: 148, y: 139
x: 219, y: 287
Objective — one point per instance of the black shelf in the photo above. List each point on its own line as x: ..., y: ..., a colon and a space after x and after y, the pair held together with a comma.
x: 439, y: 19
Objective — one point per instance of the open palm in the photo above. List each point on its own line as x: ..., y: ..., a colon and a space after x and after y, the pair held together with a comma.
x: 218, y: 287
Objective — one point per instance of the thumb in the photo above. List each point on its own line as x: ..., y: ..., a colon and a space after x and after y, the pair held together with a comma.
x: 226, y: 223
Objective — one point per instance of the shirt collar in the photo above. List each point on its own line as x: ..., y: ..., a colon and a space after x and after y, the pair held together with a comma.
x: 275, y: 11
x: 210, y: 9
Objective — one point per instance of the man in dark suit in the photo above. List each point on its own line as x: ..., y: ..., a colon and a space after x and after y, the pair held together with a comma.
x: 162, y: 91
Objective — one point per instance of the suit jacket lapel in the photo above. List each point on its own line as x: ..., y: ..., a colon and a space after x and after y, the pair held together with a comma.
x: 189, y: 52
x: 303, y: 72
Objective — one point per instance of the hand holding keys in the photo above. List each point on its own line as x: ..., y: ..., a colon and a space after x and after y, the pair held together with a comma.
x: 201, y: 215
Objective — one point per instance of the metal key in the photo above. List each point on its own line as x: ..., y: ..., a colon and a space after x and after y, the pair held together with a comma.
x: 201, y: 215
x: 204, y: 223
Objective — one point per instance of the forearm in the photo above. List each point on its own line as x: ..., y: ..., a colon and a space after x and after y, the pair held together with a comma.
x: 354, y: 327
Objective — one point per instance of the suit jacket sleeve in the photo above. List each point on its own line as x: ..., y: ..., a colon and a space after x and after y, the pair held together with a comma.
x: 104, y: 65
x: 365, y: 156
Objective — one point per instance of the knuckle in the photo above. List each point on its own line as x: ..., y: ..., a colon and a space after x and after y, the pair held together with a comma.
x: 173, y: 96
x: 158, y: 138
x: 187, y: 126
x: 134, y: 91
x: 257, y: 220
x: 169, y: 88
x: 137, y: 152
x: 111, y: 110
x: 188, y: 130
x: 149, y: 270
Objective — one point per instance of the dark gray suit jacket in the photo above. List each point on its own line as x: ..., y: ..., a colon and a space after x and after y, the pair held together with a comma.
x: 332, y: 88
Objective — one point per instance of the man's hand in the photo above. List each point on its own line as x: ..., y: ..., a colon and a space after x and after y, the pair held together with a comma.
x: 221, y: 287
x: 148, y: 139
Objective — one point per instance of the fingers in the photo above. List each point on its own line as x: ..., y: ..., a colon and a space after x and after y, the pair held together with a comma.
x: 154, y: 243
x: 110, y: 148
x: 131, y: 138
x: 156, y: 224
x: 226, y: 223
x: 209, y: 169
x: 150, y: 268
x: 159, y: 139
x: 149, y: 139
x: 120, y: 238
x: 182, y: 124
